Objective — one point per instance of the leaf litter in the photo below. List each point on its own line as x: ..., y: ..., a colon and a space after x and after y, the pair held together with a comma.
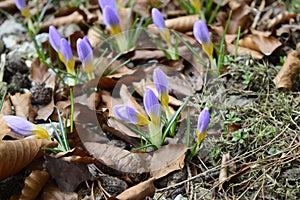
x: 235, y: 163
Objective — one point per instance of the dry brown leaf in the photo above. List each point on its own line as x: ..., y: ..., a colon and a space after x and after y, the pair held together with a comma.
x: 7, y: 5
x: 167, y: 159
x: 181, y: 24
x: 52, y: 192
x: 123, y: 162
x: 40, y: 74
x: 129, y: 100
x: 4, y: 129
x: 278, y: 19
x: 93, y: 36
x: 34, y: 184
x: 63, y: 172
x: 242, y: 51
x: 15, y: 155
x: 239, y: 18
x: 22, y: 105
x: 260, y: 43
x: 139, y: 192
x: 289, y: 70
x: 75, y: 18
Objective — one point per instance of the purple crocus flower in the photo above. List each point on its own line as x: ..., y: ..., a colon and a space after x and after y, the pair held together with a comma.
x: 67, y: 55
x: 158, y: 19
x: 54, y: 38
x: 111, y: 19
x: 129, y: 115
x: 21, y: 5
x: 201, y: 34
x: 86, y: 39
x: 161, y: 84
x: 152, y: 106
x: 23, y: 127
x: 203, y: 122
x: 85, y: 54
x: 104, y: 3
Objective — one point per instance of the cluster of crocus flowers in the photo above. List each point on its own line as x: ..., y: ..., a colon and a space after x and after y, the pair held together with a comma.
x: 153, y: 109
x: 23, y: 127
x: 85, y: 53
x: 22, y: 6
x: 203, y: 122
x: 112, y: 20
x: 159, y: 22
x: 64, y: 51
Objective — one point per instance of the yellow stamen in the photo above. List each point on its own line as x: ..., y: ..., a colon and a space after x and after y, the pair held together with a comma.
x: 40, y: 132
x: 208, y: 49
x: 142, y: 120
x: 165, y: 98
x: 25, y: 12
x: 115, y: 29
x: 200, y: 136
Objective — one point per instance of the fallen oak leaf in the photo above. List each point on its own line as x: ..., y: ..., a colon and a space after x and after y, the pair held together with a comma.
x: 289, y: 71
x: 52, y: 192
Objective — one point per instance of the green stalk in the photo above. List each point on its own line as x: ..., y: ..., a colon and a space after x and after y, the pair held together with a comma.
x: 72, y: 109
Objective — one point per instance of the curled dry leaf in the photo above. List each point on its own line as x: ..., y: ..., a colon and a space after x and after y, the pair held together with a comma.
x: 289, y: 71
x: 34, y: 184
x: 181, y: 24
x: 260, y: 43
x: 52, y: 192
x: 119, y: 161
x: 242, y: 51
x: 7, y: 5
x: 75, y: 18
x: 239, y: 18
x: 167, y: 159
x: 139, y: 192
x: 22, y: 105
x: 15, y: 155
x: 4, y: 129
x: 278, y: 19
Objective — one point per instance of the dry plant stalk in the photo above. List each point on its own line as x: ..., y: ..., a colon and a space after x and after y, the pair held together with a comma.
x: 289, y: 71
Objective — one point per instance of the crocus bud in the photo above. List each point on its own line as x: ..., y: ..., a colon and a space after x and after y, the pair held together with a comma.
x: 111, y: 19
x: 54, y: 38
x: 104, y: 3
x: 23, y: 127
x: 159, y: 22
x: 201, y: 34
x: 152, y: 106
x: 86, y: 39
x: 21, y: 5
x: 67, y: 55
x: 203, y: 122
x: 85, y: 54
x: 161, y: 84
x: 129, y: 115
x: 158, y: 19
